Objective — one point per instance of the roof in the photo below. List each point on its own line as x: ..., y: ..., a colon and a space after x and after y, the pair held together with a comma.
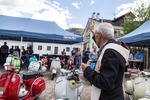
x: 140, y: 36
x: 35, y: 29
x: 126, y: 14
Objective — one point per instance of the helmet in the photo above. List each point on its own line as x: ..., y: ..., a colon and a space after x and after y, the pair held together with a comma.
x: 74, y: 81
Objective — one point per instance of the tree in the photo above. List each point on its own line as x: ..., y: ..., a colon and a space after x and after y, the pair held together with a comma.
x: 77, y: 31
x: 129, y: 26
x: 142, y: 13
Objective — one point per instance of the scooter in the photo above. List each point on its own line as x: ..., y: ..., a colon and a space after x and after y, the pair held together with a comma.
x: 55, y: 67
x: 32, y: 58
x: 45, y: 61
x: 14, y: 61
x: 70, y: 63
x: 68, y: 86
x: 37, y: 66
x: 12, y: 87
x: 138, y: 88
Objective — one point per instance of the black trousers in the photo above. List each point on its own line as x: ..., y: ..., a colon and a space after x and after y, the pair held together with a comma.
x: 139, y: 65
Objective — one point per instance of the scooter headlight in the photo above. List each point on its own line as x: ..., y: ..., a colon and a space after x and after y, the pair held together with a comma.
x: 74, y: 81
x: 129, y: 87
x: 73, y: 84
x: 2, y: 89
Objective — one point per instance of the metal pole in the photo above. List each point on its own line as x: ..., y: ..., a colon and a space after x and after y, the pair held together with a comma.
x: 21, y: 46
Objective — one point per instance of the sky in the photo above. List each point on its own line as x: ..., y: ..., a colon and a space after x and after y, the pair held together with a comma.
x: 67, y: 13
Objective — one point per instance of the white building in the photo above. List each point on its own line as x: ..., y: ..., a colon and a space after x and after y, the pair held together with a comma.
x: 117, y: 24
x: 45, y: 37
x: 43, y: 48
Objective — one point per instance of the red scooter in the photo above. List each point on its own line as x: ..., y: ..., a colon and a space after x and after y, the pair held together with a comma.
x: 70, y: 63
x: 12, y: 87
x: 45, y: 61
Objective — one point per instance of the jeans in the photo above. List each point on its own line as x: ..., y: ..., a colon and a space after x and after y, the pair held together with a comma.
x: 78, y: 63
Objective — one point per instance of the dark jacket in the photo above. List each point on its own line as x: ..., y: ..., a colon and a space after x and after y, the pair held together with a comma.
x: 110, y: 78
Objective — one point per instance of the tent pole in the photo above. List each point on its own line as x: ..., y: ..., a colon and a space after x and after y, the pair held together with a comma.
x: 147, y: 67
x: 21, y: 47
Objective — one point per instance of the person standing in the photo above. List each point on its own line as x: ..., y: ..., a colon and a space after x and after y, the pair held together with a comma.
x: 4, y: 51
x: 94, y: 55
x: 78, y: 59
x: 107, y: 78
x: 130, y: 60
x: 11, y: 50
x: 87, y: 54
x: 73, y: 54
x: 18, y: 50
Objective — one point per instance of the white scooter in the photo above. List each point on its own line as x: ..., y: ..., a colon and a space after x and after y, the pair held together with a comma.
x: 37, y: 66
x: 55, y: 67
x: 14, y: 61
x: 139, y: 87
x: 68, y: 86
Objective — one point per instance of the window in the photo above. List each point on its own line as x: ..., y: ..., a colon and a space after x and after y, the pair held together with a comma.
x: 56, y: 50
x: 49, y: 48
x: 39, y: 47
x: 67, y: 49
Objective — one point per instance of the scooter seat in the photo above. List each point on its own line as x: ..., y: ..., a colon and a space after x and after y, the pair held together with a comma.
x: 30, y: 75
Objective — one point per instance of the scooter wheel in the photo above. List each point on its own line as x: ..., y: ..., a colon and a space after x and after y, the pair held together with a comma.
x: 53, y: 76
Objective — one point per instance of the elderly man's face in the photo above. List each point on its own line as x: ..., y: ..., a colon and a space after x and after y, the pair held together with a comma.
x: 97, y: 37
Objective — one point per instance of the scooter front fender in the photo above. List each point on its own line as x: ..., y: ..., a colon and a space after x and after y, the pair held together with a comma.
x: 14, y: 86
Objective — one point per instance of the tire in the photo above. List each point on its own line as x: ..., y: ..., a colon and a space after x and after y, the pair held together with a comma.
x: 53, y: 76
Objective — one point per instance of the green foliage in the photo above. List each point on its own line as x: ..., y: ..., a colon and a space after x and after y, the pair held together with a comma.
x: 78, y: 31
x: 142, y: 13
x: 129, y: 26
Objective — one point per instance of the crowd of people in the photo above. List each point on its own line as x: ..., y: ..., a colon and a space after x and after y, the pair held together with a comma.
x: 5, y: 51
x: 136, y: 60
x: 110, y: 61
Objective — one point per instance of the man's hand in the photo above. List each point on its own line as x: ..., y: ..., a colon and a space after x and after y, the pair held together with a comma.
x: 84, y: 65
x: 91, y: 26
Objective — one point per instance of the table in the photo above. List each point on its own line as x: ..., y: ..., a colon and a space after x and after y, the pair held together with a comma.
x: 136, y: 63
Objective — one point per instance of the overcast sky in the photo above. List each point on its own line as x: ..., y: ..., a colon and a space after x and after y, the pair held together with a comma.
x: 67, y: 13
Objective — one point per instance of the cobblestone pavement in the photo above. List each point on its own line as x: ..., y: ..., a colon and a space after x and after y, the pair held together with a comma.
x: 48, y: 94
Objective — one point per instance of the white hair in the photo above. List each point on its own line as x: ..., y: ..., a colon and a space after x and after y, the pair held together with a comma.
x: 106, y: 29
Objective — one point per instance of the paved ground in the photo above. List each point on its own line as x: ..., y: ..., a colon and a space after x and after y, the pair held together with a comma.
x: 48, y: 94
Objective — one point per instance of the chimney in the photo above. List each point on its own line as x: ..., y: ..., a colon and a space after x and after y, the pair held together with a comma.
x: 97, y: 16
x: 93, y: 15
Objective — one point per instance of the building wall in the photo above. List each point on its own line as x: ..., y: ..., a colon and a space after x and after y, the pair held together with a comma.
x: 88, y: 41
x: 11, y: 43
x: 44, y: 46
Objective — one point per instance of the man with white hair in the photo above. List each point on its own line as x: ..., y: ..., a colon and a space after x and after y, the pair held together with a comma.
x: 107, y: 77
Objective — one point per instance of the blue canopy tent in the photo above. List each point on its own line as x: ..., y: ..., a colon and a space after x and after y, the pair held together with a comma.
x: 14, y: 28
x: 139, y: 37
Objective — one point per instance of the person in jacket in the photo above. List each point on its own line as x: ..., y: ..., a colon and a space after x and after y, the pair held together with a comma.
x: 4, y: 52
x: 107, y: 78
